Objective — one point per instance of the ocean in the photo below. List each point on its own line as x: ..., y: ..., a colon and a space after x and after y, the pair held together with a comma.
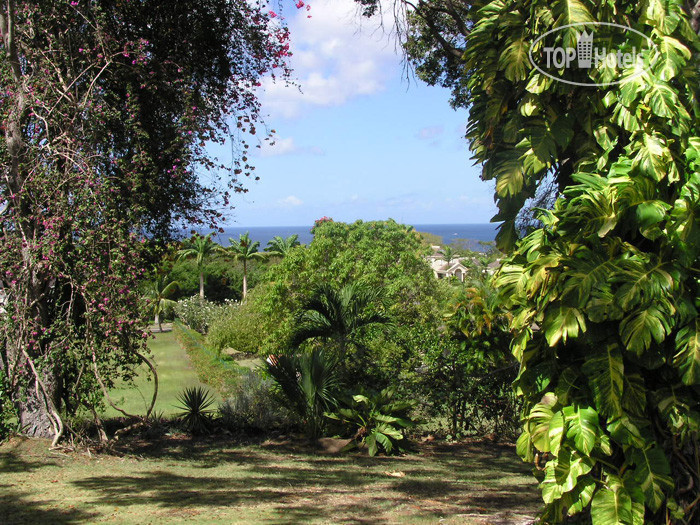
x: 467, y: 235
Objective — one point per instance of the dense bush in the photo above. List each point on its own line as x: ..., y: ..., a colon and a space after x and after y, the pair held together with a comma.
x: 237, y: 326
x: 253, y: 406
x: 223, y: 376
x: 198, y: 314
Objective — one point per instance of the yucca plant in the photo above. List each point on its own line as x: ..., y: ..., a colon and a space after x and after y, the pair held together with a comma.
x: 380, y: 420
x: 196, y: 415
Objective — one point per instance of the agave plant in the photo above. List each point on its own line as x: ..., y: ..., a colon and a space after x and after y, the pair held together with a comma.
x: 381, y: 421
x: 196, y: 415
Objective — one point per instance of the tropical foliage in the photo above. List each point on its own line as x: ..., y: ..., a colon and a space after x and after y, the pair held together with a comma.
x: 244, y: 250
x: 380, y: 421
x: 199, y: 248
x: 310, y: 384
x: 279, y: 247
x: 158, y: 293
x: 604, y: 295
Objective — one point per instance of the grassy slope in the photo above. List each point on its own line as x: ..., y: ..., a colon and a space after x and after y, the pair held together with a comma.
x: 219, y: 482
x: 174, y: 373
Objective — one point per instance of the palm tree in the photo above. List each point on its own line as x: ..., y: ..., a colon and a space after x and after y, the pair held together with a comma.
x: 280, y: 247
x: 200, y: 248
x: 340, y: 315
x: 158, y: 293
x: 448, y: 254
x: 244, y: 249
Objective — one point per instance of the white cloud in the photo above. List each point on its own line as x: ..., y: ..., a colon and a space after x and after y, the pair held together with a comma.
x: 335, y: 59
x: 278, y: 147
x: 291, y: 201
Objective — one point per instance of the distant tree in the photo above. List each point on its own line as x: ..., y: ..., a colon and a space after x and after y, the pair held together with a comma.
x: 158, y: 293
x: 280, y: 247
x: 198, y: 247
x: 243, y: 249
x: 448, y: 254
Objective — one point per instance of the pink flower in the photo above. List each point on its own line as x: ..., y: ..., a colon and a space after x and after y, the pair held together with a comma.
x: 273, y: 14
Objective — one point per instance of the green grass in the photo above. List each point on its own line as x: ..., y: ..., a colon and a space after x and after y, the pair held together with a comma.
x: 205, y: 481
x: 175, y: 372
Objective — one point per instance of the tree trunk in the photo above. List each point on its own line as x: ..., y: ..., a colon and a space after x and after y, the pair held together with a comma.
x: 157, y: 321
x: 34, y: 417
x: 245, y: 280
x: 201, y: 285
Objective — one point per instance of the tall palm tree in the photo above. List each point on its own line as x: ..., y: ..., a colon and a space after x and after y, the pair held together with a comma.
x: 200, y: 248
x: 159, y: 293
x: 244, y: 249
x: 280, y: 247
x: 340, y: 315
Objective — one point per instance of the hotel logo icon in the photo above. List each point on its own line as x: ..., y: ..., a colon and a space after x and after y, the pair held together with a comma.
x: 584, y: 50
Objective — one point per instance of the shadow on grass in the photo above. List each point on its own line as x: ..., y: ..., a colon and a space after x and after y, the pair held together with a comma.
x: 302, y: 487
x: 16, y: 508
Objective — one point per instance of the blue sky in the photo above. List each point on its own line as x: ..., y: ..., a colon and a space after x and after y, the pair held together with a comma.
x: 359, y: 141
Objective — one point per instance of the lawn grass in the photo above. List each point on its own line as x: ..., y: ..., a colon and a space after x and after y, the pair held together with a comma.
x: 213, y: 481
x: 175, y: 373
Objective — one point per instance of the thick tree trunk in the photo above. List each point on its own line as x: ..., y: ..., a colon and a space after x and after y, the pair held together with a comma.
x: 34, y: 416
x: 201, y: 285
x: 157, y: 322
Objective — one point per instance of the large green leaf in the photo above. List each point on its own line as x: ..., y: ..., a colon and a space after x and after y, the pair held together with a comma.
x: 687, y: 358
x: 562, y: 322
x: 571, y: 12
x: 638, y: 328
x: 612, y: 506
x: 652, y: 473
x: 581, y: 496
x: 562, y: 473
x: 582, y: 427
x: 605, y: 371
x: 539, y: 422
x: 514, y: 60
x: 509, y: 177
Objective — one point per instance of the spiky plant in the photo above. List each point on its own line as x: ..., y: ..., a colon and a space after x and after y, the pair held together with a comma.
x: 196, y: 416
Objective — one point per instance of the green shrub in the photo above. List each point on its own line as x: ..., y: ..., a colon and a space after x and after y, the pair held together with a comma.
x: 253, y: 405
x: 221, y: 375
x: 198, y: 314
x: 237, y: 326
x: 379, y: 421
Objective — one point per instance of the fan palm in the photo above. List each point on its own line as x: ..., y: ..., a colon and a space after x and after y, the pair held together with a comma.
x: 244, y: 249
x: 199, y: 247
x: 158, y: 293
x: 310, y: 383
x: 280, y: 247
x: 340, y: 315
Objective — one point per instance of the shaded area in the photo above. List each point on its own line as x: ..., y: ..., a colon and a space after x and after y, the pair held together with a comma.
x: 275, y: 482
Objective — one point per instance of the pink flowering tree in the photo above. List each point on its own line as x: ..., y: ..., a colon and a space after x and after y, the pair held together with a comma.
x: 106, y: 109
